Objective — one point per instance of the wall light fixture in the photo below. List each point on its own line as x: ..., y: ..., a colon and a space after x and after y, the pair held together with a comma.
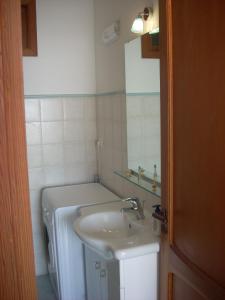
x: 138, y: 24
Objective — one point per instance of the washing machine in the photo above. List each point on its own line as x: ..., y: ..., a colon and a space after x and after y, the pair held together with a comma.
x: 65, y: 250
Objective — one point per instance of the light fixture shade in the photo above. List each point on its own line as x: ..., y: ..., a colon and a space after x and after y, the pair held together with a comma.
x: 138, y: 25
x: 154, y: 30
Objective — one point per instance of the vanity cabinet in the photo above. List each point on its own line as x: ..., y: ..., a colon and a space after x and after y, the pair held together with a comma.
x: 127, y: 279
x: 102, y: 277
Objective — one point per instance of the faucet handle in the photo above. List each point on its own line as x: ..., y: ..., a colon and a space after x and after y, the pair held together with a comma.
x: 130, y: 199
x: 134, y: 201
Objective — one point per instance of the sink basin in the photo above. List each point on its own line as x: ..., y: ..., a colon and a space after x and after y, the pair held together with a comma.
x: 107, y: 225
x: 116, y: 234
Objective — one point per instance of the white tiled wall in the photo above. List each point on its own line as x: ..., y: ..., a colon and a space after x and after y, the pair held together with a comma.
x: 61, y: 145
x: 112, y: 131
x: 61, y: 139
x: 143, y: 134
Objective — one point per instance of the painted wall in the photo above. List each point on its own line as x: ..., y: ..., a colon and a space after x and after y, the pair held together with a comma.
x: 66, y: 54
x: 61, y: 130
x: 110, y: 71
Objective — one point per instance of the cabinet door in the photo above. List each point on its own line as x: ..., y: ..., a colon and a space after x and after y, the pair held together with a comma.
x: 93, y: 266
x: 103, y: 277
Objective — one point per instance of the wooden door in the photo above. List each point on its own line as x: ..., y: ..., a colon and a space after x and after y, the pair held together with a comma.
x: 17, y: 275
x: 193, y: 143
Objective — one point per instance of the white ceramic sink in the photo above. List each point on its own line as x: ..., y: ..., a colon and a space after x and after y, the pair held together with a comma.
x: 116, y: 234
x: 107, y: 225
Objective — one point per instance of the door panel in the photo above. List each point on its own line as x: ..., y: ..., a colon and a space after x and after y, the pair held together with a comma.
x: 17, y: 275
x: 193, y: 137
x: 180, y: 289
x: 199, y: 133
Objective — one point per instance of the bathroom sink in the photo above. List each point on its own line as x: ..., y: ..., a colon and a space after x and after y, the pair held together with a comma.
x: 106, y: 225
x: 116, y: 234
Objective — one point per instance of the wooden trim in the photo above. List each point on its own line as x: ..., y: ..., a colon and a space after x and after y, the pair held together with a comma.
x: 170, y: 118
x: 164, y: 251
x: 170, y: 286
x: 29, y: 27
x: 17, y: 273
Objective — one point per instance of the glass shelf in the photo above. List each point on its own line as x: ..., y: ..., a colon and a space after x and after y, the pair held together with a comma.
x: 144, y: 183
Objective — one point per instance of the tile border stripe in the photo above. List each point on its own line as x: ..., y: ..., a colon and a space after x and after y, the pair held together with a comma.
x: 56, y: 96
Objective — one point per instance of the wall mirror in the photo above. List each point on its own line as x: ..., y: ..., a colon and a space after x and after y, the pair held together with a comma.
x: 143, y: 118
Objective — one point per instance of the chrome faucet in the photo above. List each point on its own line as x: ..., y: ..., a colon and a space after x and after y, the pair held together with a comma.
x: 136, y: 206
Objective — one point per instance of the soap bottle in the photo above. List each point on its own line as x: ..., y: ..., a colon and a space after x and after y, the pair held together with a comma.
x: 156, y: 224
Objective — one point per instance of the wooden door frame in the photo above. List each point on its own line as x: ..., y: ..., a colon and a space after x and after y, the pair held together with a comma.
x: 165, y: 131
x: 17, y: 273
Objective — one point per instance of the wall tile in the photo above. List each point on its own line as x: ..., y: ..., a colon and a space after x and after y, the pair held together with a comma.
x: 74, y: 153
x: 76, y: 173
x: 144, y: 130
x: 151, y: 106
x: 134, y: 106
x: 40, y: 253
x: 107, y: 107
x: 91, y: 152
x: 36, y: 178
x: 52, y: 132
x: 108, y: 133
x: 113, y: 158
x: 37, y: 228
x: 117, y: 160
x: 51, y: 110
x: 134, y: 128
x: 92, y: 170
x: 32, y: 110
x: 74, y: 108
x: 62, y: 149
x: 61, y: 136
x: 53, y: 155
x: 54, y: 175
x: 74, y: 131
x: 33, y: 131
x: 117, y: 108
x: 117, y: 136
x: 90, y: 130
x: 99, y: 108
x: 35, y: 157
x: 90, y: 109
x: 36, y: 215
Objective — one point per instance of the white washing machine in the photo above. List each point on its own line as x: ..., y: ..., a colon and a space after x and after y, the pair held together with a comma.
x: 65, y: 251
